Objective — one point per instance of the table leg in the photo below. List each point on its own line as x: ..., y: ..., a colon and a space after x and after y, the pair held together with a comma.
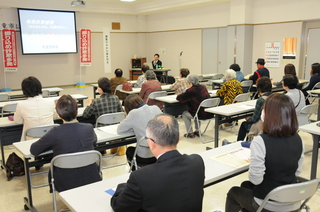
x: 28, y: 200
x: 166, y: 77
x: 216, y: 130
x: 318, y: 118
x: 314, y: 162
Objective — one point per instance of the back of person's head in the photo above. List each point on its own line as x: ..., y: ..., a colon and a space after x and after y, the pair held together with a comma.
x: 184, y: 72
x: 230, y: 74
x: 290, y: 81
x: 150, y: 75
x: 144, y: 68
x: 104, y: 84
x: 315, y: 67
x: 67, y: 108
x: 264, y: 85
x: 163, y: 130
x: 193, y: 78
x: 118, y: 72
x: 31, y: 87
x: 290, y: 69
x: 235, y: 67
x: 280, y: 116
x: 132, y: 101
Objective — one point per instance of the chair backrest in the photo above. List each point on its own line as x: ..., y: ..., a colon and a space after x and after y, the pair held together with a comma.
x: 316, y: 86
x: 156, y: 94
x: 134, y: 159
x: 38, y: 131
x: 10, y: 107
x: 217, y: 76
x: 110, y: 118
x: 309, y: 109
x: 118, y: 88
x: 4, y: 97
x: 211, y: 102
x: 45, y: 93
x: 246, y: 85
x: 241, y: 97
x: 292, y: 193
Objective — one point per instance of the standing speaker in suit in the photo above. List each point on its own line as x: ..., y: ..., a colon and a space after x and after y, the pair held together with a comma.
x: 174, y: 183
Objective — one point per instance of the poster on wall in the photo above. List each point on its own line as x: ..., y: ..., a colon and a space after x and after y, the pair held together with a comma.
x: 85, y: 47
x: 9, y: 48
x: 106, y: 49
x: 272, y: 54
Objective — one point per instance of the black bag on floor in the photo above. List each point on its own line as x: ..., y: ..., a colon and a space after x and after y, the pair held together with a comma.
x: 15, y: 166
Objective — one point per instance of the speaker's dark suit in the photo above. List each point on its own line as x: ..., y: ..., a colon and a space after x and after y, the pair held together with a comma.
x: 155, y: 66
x: 174, y: 183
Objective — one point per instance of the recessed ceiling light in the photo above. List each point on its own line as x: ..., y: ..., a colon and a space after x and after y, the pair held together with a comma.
x: 128, y: 0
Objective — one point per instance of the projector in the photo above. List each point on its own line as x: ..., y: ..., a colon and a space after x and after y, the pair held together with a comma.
x: 78, y: 3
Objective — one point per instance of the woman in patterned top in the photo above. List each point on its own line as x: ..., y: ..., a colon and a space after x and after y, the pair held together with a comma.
x: 230, y: 89
x: 181, y: 84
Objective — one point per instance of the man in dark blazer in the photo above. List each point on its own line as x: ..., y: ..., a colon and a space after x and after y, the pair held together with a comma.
x: 174, y: 183
x: 156, y: 62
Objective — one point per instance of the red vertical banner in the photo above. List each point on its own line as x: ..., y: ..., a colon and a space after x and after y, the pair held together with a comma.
x: 85, y: 47
x: 9, y: 47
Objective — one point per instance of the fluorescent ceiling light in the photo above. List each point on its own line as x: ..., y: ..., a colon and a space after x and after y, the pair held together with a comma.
x: 128, y: 0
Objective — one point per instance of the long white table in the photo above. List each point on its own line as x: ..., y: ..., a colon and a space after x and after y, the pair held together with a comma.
x: 19, y: 93
x: 95, y: 86
x: 137, y: 90
x: 314, y: 130
x: 230, y: 112
x: 93, y: 197
x: 102, y: 136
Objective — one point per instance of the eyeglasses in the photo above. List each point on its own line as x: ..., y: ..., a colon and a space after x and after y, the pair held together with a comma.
x: 149, y: 138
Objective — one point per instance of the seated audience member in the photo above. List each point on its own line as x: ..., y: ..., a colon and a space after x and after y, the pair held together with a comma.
x: 107, y: 103
x: 181, y: 84
x: 264, y: 87
x: 276, y: 158
x: 173, y: 183
x: 314, y: 79
x: 239, y: 74
x: 138, y: 110
x: 193, y: 97
x: 142, y: 78
x: 288, y: 69
x: 70, y: 137
x: 35, y: 110
x: 118, y: 80
x: 151, y: 85
x: 230, y: 89
x: 260, y: 72
x: 290, y: 83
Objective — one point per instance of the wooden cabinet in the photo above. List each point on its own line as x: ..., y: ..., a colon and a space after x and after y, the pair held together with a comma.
x: 138, y: 62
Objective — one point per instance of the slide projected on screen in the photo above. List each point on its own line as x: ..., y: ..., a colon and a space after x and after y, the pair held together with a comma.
x: 47, y: 32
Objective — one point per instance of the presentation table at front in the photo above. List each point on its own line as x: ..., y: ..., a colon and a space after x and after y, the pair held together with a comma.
x: 93, y: 197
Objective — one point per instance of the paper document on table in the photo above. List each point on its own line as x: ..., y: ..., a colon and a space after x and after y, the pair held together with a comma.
x: 112, y: 129
x: 236, y: 158
x: 246, y: 106
x: 111, y: 191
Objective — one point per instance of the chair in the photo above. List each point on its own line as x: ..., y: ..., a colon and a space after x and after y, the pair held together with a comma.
x: 45, y: 93
x: 309, y: 110
x: 38, y: 132
x: 316, y: 86
x: 246, y: 86
x: 108, y: 119
x: 4, y: 97
x: 118, y: 88
x: 292, y: 193
x: 200, y: 78
x: 134, y: 162
x: 156, y: 94
x: 9, y: 108
x: 71, y: 161
x: 212, y: 102
x: 217, y: 76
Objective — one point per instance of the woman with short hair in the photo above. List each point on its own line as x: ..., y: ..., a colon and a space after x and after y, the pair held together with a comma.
x: 181, y: 84
x: 230, y: 89
x: 70, y: 137
x: 35, y: 110
x: 151, y: 85
x: 276, y: 158
x: 139, y: 111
